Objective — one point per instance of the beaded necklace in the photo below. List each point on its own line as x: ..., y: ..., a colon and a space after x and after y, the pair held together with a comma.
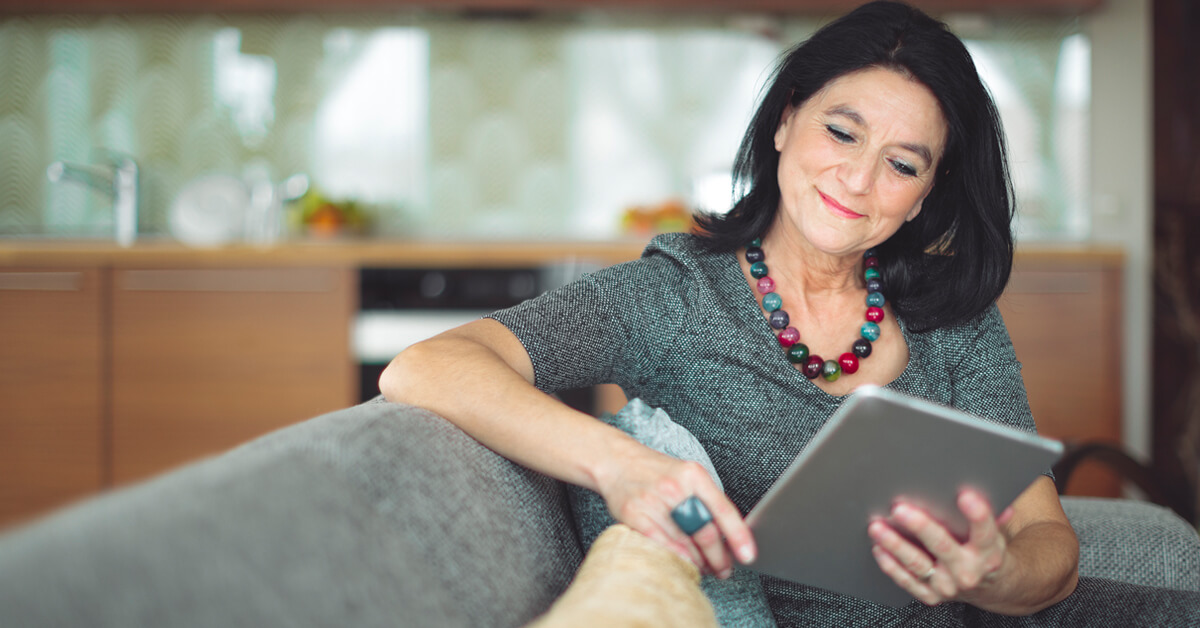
x: 789, y: 337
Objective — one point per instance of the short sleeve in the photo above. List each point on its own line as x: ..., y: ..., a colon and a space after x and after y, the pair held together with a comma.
x: 986, y: 376
x: 607, y: 327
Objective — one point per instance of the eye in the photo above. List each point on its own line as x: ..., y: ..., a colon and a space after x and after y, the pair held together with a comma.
x: 839, y: 135
x: 903, y: 168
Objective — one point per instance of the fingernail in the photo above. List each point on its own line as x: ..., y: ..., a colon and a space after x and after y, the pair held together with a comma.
x: 746, y: 554
x: 726, y: 574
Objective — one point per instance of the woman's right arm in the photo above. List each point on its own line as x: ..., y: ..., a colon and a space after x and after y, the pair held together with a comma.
x: 480, y: 377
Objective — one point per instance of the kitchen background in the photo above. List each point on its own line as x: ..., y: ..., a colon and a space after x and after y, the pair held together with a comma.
x: 462, y: 141
x: 465, y: 125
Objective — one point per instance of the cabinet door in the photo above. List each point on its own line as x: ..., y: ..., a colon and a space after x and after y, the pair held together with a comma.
x: 205, y: 359
x: 1065, y: 324
x: 51, y: 389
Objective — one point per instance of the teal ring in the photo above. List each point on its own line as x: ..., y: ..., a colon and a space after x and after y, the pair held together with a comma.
x: 691, y: 515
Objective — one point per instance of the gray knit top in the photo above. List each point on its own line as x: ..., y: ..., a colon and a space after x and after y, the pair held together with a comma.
x: 681, y: 329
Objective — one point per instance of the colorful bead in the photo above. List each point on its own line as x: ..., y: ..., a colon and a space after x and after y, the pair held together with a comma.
x: 814, y: 366
x: 789, y: 338
x: 831, y: 371
x: 849, y: 363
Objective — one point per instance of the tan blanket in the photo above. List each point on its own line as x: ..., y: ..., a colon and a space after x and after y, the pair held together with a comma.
x: 626, y: 579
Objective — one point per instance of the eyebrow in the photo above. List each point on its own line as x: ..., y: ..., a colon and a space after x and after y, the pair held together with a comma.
x: 920, y: 149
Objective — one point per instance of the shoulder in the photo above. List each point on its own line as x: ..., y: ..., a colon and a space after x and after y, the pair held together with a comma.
x: 681, y: 249
x: 675, y: 270
x: 668, y: 256
x: 985, y: 323
x: 984, y: 334
x: 684, y: 245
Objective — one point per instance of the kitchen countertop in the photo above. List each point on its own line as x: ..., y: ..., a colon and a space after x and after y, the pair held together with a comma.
x: 408, y: 253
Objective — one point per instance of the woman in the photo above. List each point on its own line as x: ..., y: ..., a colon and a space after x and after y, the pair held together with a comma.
x: 874, y: 165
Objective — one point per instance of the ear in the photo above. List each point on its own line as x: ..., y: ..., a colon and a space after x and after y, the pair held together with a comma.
x: 916, y: 210
x: 785, y: 122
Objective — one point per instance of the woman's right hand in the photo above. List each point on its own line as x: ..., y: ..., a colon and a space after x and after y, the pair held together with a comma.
x: 642, y: 488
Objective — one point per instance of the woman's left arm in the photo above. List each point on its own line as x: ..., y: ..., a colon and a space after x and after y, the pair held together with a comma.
x: 1016, y: 563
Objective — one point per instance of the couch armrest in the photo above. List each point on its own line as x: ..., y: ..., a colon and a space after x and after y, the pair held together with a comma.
x: 1134, y: 541
x: 373, y: 515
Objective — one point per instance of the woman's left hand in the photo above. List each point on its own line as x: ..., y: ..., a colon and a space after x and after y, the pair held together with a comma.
x: 944, y: 569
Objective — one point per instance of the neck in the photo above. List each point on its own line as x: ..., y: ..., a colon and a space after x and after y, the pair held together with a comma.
x: 809, y: 271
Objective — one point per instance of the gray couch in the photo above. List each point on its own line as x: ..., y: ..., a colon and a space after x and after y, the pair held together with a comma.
x: 379, y: 515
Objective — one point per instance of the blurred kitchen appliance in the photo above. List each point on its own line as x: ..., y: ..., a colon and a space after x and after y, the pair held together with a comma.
x: 401, y: 306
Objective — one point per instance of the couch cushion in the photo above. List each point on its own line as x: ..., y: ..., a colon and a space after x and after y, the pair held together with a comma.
x: 1134, y: 541
x: 376, y: 515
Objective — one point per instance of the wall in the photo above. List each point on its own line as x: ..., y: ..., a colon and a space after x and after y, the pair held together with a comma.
x: 1121, y: 186
x: 482, y: 127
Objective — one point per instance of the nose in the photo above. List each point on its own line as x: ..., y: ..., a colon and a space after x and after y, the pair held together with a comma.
x: 858, y: 173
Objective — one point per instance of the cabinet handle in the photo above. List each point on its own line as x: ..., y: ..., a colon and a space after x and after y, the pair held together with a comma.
x: 42, y: 281
x: 269, y: 280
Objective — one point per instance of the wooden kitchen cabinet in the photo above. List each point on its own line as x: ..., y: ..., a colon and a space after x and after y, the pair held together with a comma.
x: 206, y: 359
x: 52, y: 388
x: 116, y: 364
x: 1064, y: 317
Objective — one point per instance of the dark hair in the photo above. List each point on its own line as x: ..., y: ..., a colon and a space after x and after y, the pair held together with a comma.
x: 953, y: 260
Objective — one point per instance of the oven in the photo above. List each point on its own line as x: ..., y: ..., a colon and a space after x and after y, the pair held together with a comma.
x: 401, y: 306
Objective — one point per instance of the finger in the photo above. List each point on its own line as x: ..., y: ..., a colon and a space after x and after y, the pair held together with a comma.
x: 983, y: 531
x: 935, y: 538
x: 913, y: 559
x: 694, y: 517
x: 650, y: 515
x: 1004, y: 517
x: 671, y: 493
x: 668, y: 534
x: 730, y: 530
x: 903, y: 578
x: 716, y: 555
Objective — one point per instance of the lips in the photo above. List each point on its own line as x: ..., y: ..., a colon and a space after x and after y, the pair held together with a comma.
x: 838, y: 209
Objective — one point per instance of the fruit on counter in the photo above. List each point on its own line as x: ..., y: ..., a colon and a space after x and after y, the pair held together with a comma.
x: 670, y: 215
x: 320, y: 216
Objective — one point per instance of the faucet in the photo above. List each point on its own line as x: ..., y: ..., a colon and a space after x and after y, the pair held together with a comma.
x: 118, y: 179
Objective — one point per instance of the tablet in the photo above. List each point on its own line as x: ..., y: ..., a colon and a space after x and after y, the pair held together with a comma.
x: 811, y: 526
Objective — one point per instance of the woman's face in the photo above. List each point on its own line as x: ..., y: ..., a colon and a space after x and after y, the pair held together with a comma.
x: 857, y: 159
